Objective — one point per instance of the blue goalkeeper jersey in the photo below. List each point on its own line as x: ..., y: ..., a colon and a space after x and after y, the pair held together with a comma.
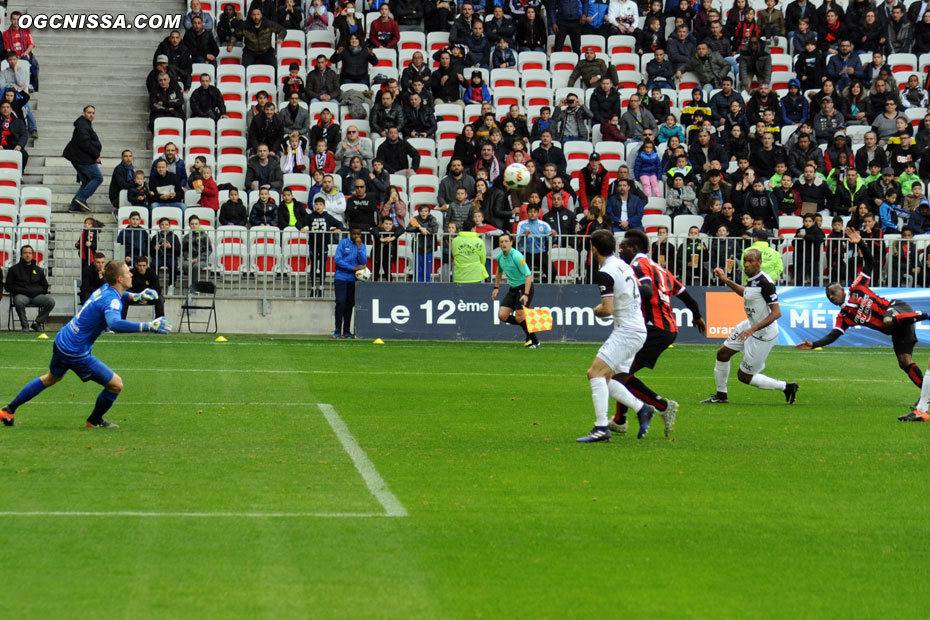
x: 102, y: 310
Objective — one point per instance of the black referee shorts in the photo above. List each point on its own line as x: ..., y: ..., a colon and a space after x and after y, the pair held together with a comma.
x: 657, y: 340
x: 512, y: 298
x: 904, y: 338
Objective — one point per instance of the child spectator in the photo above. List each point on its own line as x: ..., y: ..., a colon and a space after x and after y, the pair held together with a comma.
x: 134, y: 239
x: 905, y: 270
x: 889, y: 212
x: 681, y: 198
x: 164, y: 249
x: 394, y: 209
x: 318, y: 18
x: 807, y: 253
x: 86, y: 245
x: 670, y: 128
x: 648, y: 168
x: 292, y: 82
x: 914, y: 96
x: 139, y: 195
x: 681, y: 167
x: 195, y: 175
x: 909, y: 179
x: 695, y: 255
x: 319, y: 224
x: 384, y: 253
x: 233, y: 212
x: 837, y: 249
x: 610, y: 130
x: 209, y: 193
x: 664, y: 252
x: 723, y: 251
x: 787, y: 199
x: 913, y: 200
x: 322, y: 159
x: 460, y: 207
x: 426, y: 227
x: 477, y: 91
x: 197, y: 249
x: 502, y: 57
x: 265, y: 211
x: 542, y: 123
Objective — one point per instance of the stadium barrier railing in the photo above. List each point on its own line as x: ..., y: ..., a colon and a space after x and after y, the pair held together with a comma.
x: 267, y: 263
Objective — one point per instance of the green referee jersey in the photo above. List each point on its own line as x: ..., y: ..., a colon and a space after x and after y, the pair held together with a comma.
x: 514, y: 267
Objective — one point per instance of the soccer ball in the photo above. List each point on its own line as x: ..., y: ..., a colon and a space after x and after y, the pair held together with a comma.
x: 516, y: 176
x: 363, y: 275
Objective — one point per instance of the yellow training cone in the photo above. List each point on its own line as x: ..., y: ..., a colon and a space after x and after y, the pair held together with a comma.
x: 43, y: 336
x: 818, y: 348
x: 378, y: 341
x: 671, y: 346
x: 220, y: 339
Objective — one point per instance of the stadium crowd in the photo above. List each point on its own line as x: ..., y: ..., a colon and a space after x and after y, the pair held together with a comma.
x: 725, y: 125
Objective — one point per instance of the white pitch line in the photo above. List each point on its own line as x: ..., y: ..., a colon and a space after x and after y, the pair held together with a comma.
x: 190, y: 515
x: 374, y: 481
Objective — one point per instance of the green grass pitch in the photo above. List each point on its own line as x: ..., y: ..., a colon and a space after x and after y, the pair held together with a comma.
x: 752, y: 510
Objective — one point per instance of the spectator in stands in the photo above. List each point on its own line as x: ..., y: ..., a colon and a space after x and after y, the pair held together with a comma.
x: 900, y: 31
x: 229, y: 22
x: 166, y: 101
x: 755, y: 61
x: 625, y: 207
x: 27, y: 286
x: 845, y: 67
x: 827, y: 122
x: 760, y: 101
x: 714, y: 188
x: 233, y: 212
x: 787, y: 197
x: 764, y: 159
x: 15, y: 77
x: 196, y: 250
x: 385, y: 114
x: 318, y: 18
x: 871, y: 34
x: 425, y: 227
x: 660, y: 71
x: 86, y: 245
x: 500, y: 26
x: 593, y: 182
x: 19, y: 40
x: 206, y: 17
x: 419, y: 119
x: 681, y: 46
x: 165, y: 248
x: 809, y: 67
x: 462, y: 26
x: 801, y: 152
x: 794, y: 107
x: 703, y: 152
x: 879, y: 188
x: 850, y: 192
x: 856, y: 105
x: 263, y: 170
x: 92, y: 276
x: 174, y: 163
x: 832, y: 30
x: 256, y: 37
x: 290, y: 16
x: 122, y: 177
x: 209, y: 192
x: 451, y: 182
x: 266, y: 129
x: 140, y: 194
x: 605, y: 102
x: 547, y: 152
x: 207, y: 101
x: 322, y: 159
x: 384, y: 31
x: 885, y: 124
x: 590, y: 69
x: 395, y: 152
x: 903, y: 154
x: 798, y: 10
x: 264, y: 212
x: 355, y: 60
x: 166, y: 186
x: 567, y: 19
x: 570, y: 119
x: 721, y: 101
x: 531, y: 32
x: 710, y: 67
x: 533, y: 241
x: 913, y: 95
x: 353, y: 145
x: 161, y: 66
x: 322, y: 83
x: 416, y: 69
x: 636, y: 119
x: 144, y: 278
x: 447, y: 80
x: 347, y: 23
x: 134, y: 239
x: 869, y: 152
x: 294, y: 117
x: 83, y: 151
x: 335, y: 200
x: 351, y: 256
x: 294, y: 157
x: 200, y: 43
x: 179, y: 57
x: 839, y: 145
x: 478, y: 45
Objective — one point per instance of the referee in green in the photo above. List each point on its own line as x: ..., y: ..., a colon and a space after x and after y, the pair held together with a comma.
x: 511, y: 262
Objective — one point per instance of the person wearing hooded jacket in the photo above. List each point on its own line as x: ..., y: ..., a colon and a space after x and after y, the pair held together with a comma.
x: 83, y: 151
x: 794, y: 107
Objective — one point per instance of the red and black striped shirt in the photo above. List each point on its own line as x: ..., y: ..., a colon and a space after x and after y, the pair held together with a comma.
x: 657, y: 308
x: 862, y: 306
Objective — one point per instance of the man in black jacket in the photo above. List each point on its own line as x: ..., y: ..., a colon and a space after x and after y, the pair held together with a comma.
x: 166, y: 101
x: 361, y: 208
x: 143, y: 278
x: 207, y: 101
x: 27, y: 285
x: 419, y: 120
x: 266, y: 129
x: 322, y: 83
x: 92, y: 276
x: 161, y: 66
x: 605, y: 102
x: 201, y: 44
x: 122, y: 178
x: 178, y: 55
x: 446, y: 80
x: 83, y: 151
x: 394, y: 152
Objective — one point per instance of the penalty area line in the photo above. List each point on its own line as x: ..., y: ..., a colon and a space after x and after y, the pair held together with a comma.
x: 188, y: 515
x: 374, y: 481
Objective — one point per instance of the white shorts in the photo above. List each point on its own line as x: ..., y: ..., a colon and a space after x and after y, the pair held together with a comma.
x: 620, y: 348
x: 755, y: 351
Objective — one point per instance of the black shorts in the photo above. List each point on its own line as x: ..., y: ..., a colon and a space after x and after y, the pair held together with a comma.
x: 512, y: 298
x: 903, y: 339
x: 657, y: 340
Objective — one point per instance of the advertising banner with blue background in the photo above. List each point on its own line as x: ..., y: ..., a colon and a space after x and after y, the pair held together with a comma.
x: 467, y: 312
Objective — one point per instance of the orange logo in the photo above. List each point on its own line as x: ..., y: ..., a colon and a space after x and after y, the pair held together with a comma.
x: 724, y: 312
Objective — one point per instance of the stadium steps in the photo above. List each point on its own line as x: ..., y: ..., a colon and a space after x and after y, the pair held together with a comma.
x: 106, y: 69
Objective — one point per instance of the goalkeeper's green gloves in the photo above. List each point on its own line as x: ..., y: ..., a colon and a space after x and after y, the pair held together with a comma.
x: 160, y: 325
x: 148, y: 294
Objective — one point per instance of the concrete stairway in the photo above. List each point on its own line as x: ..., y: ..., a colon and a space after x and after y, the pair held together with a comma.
x: 104, y: 68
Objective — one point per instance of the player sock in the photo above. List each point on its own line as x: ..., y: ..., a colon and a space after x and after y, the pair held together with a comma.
x: 620, y: 394
x: 104, y: 401
x: 722, y: 375
x: 908, y: 318
x: 767, y: 383
x: 601, y: 398
x: 30, y: 391
x: 913, y: 372
x: 620, y: 415
x: 924, y: 401
x: 642, y: 391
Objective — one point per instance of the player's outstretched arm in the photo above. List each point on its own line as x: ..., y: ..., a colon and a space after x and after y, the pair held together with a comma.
x: 830, y: 338
x: 118, y: 324
x: 722, y: 276
x: 148, y: 294
x: 692, y: 305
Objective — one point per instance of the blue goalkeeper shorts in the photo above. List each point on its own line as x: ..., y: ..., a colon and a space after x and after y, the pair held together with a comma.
x: 87, y: 367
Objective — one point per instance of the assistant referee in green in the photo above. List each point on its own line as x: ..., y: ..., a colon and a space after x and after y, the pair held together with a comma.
x: 512, y: 263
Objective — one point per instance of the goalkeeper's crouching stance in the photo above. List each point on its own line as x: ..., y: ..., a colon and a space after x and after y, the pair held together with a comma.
x: 73, y: 344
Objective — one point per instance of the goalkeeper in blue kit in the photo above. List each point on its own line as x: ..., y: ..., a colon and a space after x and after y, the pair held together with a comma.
x: 73, y: 344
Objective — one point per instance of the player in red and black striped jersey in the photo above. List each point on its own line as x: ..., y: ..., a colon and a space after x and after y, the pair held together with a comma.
x: 656, y: 286
x: 862, y: 306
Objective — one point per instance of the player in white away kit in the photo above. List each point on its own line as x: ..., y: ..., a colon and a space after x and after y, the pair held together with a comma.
x: 755, y: 336
x: 619, y: 299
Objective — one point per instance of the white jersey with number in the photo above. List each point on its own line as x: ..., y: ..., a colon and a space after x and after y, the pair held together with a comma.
x: 758, y: 297
x: 616, y: 278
